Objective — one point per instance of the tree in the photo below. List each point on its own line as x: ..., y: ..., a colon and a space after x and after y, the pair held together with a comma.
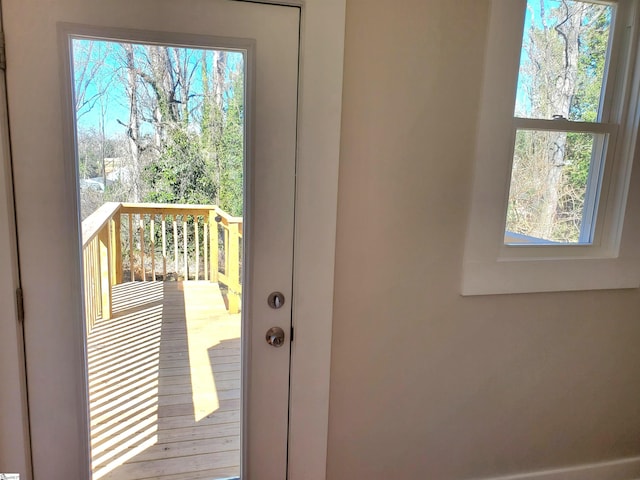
x: 562, y: 70
x: 183, y: 127
x: 136, y: 146
x: 90, y: 81
x: 230, y: 149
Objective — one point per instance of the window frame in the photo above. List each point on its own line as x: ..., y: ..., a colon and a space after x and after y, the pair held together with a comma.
x: 492, y: 266
x: 606, y: 124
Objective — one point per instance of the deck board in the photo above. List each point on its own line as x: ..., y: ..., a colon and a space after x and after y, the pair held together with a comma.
x: 164, y: 384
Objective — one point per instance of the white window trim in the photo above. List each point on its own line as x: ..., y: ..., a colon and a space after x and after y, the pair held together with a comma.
x: 612, y: 261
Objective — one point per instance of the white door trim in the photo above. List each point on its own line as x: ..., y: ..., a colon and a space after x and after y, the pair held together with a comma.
x: 14, y: 432
x: 319, y: 116
x: 15, y: 454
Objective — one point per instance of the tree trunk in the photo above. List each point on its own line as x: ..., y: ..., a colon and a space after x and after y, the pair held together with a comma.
x: 561, y: 85
x: 219, y: 84
x: 133, y: 129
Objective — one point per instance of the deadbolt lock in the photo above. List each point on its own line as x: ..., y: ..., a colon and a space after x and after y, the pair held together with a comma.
x: 276, y: 300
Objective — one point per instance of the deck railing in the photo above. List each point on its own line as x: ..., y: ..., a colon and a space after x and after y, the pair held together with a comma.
x: 151, y: 242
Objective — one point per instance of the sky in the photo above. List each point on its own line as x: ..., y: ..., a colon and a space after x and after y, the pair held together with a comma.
x: 103, y: 57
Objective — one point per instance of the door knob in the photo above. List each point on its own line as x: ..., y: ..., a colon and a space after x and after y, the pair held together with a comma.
x: 275, y: 337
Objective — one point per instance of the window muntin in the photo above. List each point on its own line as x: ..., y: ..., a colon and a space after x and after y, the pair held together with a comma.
x: 557, y: 166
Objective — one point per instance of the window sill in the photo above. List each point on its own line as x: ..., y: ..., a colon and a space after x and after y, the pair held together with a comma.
x: 507, y: 276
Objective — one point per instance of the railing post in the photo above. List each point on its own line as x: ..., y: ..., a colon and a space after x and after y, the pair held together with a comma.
x: 233, y: 265
x: 105, y: 270
x: 213, y: 246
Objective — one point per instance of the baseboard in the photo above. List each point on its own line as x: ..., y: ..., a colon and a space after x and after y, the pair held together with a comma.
x: 623, y: 469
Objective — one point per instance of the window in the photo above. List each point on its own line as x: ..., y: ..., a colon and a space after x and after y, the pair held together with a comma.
x: 555, y: 146
x: 561, y: 124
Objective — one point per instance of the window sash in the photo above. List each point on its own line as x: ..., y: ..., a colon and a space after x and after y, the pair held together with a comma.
x: 616, y: 31
x: 605, y: 136
x: 563, y: 125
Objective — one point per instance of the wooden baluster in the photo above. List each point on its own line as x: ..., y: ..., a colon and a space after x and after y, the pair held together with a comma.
x: 175, y: 243
x: 96, y: 274
x: 196, y: 230
x: 131, y: 271
x: 164, y: 246
x: 90, y: 272
x: 96, y: 277
x: 117, y: 237
x: 94, y: 306
x: 84, y: 279
x: 104, y: 269
x: 233, y: 273
x: 205, y: 229
x: 153, y: 247
x: 87, y: 288
x: 213, y: 246
x: 87, y: 302
x: 185, y: 236
x: 143, y: 272
x: 226, y: 249
x: 90, y: 282
x: 99, y: 289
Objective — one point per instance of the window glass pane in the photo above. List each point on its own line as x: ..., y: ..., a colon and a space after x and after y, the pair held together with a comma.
x: 563, y: 59
x: 548, y: 197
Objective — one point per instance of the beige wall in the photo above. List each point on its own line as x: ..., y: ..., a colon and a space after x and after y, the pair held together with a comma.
x: 425, y: 383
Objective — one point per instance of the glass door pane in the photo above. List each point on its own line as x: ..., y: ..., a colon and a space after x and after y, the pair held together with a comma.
x: 160, y: 159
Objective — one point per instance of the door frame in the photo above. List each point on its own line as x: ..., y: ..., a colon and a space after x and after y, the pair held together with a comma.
x: 319, y: 116
x: 15, y: 451
x: 322, y: 33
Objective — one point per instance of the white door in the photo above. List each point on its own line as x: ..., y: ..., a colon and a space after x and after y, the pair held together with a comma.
x: 47, y: 213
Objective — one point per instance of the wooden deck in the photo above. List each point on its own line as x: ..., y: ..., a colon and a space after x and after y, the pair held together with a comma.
x: 164, y: 384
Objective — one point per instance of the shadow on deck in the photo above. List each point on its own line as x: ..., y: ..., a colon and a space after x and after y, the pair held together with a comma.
x: 164, y: 384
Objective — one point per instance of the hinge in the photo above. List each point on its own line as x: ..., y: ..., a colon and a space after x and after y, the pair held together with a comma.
x: 3, y: 53
x: 20, y: 304
x: 292, y: 333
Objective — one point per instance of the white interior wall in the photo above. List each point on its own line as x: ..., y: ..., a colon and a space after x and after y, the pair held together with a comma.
x: 426, y: 383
